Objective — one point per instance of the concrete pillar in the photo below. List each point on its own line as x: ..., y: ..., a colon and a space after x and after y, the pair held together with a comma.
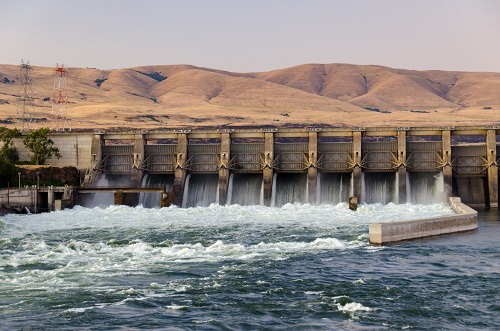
x: 34, y: 198
x: 180, y: 172
x: 96, y: 150
x: 95, y: 158
x: 50, y: 197
x: 353, y: 203
x: 137, y: 174
x: 312, y: 171
x: 491, y: 149
x: 69, y: 196
x: 268, y: 172
x: 225, y: 152
x: 68, y: 193
x: 118, y: 198
x: 356, y: 171
x: 402, y: 166
x: 447, y: 169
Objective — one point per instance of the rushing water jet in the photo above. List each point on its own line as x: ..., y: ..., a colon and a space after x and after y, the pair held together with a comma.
x: 247, y: 189
x: 152, y: 199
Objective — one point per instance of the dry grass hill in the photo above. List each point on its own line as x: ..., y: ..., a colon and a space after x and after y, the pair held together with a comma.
x: 177, y: 96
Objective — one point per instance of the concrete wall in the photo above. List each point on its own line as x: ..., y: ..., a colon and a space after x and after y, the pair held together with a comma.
x: 464, y: 220
x: 37, y: 200
x: 74, y: 149
x: 472, y: 190
x: 26, y: 196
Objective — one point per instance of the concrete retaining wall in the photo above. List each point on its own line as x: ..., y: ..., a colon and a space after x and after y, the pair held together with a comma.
x: 464, y: 220
x: 37, y: 200
x: 25, y: 197
x: 74, y: 149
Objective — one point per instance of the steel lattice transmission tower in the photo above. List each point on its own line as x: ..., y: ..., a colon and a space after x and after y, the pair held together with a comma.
x: 25, y: 103
x: 60, y: 99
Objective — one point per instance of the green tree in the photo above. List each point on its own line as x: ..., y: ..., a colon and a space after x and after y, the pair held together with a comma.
x: 7, y: 173
x: 40, y: 146
x: 8, y: 152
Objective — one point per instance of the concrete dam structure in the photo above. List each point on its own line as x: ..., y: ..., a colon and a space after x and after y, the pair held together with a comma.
x: 274, y: 166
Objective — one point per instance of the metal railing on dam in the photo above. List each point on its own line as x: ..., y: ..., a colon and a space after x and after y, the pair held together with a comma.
x: 466, y: 156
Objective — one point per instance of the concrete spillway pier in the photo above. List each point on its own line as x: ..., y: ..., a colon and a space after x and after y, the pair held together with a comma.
x: 464, y: 220
x: 466, y: 157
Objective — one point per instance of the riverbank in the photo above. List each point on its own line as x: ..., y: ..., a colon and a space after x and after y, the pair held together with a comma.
x: 6, y: 211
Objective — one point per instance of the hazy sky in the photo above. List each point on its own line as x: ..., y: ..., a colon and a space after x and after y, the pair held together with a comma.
x: 253, y: 35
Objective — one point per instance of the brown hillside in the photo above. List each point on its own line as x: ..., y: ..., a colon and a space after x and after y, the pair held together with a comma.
x: 171, y: 96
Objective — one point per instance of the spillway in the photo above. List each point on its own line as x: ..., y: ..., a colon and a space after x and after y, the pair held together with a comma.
x: 105, y: 199
x: 152, y: 199
x: 200, y: 190
x: 378, y: 188
x: 334, y: 188
x: 426, y: 188
x: 289, y: 188
x: 245, y: 190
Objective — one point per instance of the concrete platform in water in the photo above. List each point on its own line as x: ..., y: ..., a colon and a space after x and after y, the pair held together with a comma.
x: 464, y: 220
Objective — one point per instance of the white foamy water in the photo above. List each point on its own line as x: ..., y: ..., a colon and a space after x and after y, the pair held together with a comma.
x: 88, y: 245
x: 353, y: 307
x: 215, y: 215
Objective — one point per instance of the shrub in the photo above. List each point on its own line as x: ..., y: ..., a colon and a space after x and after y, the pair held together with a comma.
x: 7, y: 173
x: 8, y: 151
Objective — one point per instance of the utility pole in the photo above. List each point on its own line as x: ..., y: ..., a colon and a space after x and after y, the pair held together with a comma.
x: 25, y: 103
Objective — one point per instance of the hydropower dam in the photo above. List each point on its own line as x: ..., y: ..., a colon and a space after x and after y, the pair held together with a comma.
x: 274, y: 166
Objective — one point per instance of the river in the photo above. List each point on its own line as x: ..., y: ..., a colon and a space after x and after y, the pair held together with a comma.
x: 295, y: 267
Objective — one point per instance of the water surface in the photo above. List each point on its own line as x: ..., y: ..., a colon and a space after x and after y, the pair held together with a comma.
x: 234, y: 267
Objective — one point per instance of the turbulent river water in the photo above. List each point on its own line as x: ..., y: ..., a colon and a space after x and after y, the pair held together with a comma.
x: 295, y: 267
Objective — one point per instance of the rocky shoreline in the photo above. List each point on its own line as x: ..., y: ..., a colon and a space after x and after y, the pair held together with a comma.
x: 5, y: 211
